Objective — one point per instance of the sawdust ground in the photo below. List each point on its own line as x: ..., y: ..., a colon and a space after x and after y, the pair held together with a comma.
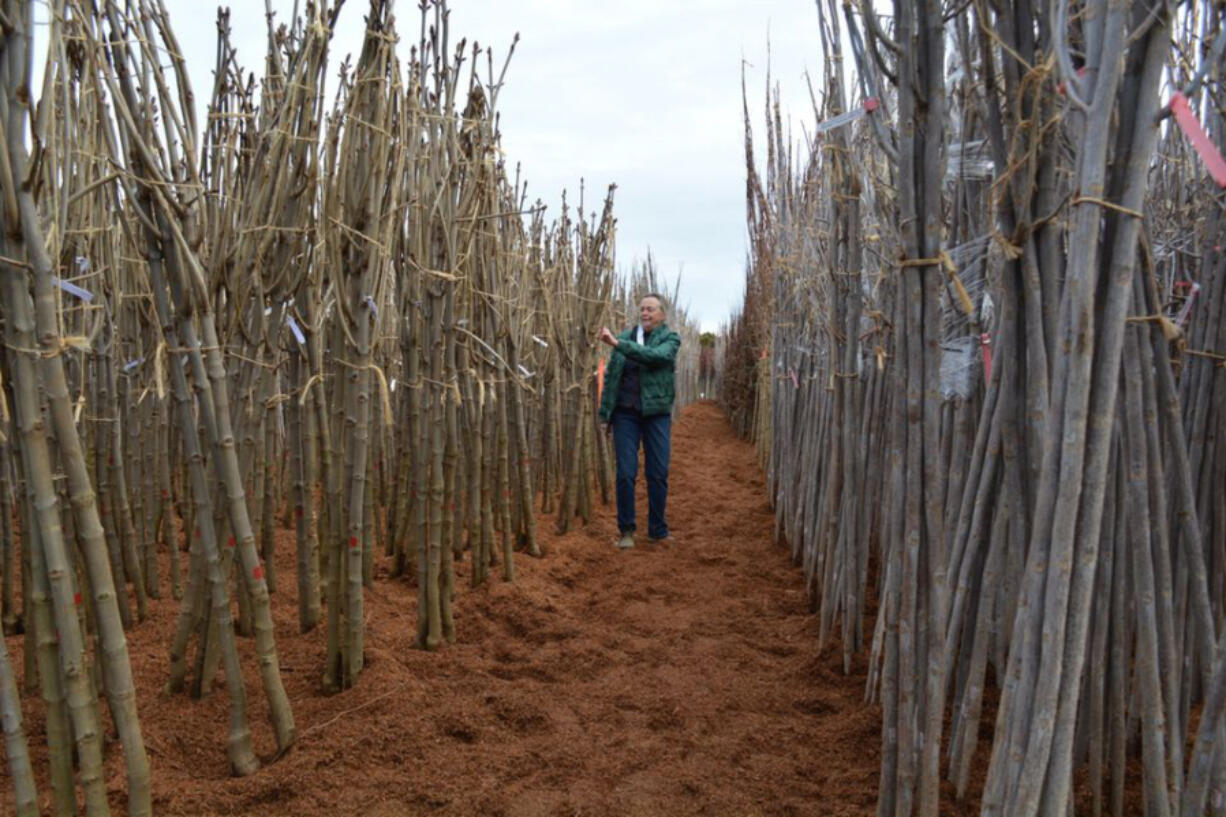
x: 682, y: 680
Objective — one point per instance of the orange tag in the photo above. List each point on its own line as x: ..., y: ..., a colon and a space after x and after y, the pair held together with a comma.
x: 600, y: 380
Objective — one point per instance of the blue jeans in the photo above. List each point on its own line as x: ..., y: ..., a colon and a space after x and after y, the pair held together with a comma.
x: 629, y: 429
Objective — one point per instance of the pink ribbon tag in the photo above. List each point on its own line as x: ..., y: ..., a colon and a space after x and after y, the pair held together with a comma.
x: 1193, y: 288
x: 1209, y: 154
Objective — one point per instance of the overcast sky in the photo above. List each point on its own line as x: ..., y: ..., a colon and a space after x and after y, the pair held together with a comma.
x: 642, y: 93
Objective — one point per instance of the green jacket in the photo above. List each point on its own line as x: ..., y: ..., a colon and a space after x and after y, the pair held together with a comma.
x: 657, y: 361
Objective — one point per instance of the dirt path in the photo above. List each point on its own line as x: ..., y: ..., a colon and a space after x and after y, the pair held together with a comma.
x: 656, y: 681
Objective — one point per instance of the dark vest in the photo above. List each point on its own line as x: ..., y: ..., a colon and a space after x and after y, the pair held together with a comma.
x: 629, y: 395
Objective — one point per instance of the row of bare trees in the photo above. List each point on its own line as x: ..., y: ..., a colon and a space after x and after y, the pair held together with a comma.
x: 343, y: 318
x: 981, y: 352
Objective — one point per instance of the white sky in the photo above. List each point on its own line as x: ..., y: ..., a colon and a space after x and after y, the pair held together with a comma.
x: 642, y: 93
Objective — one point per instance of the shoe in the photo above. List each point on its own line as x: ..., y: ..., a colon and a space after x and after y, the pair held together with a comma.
x: 626, y: 542
x: 666, y: 540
